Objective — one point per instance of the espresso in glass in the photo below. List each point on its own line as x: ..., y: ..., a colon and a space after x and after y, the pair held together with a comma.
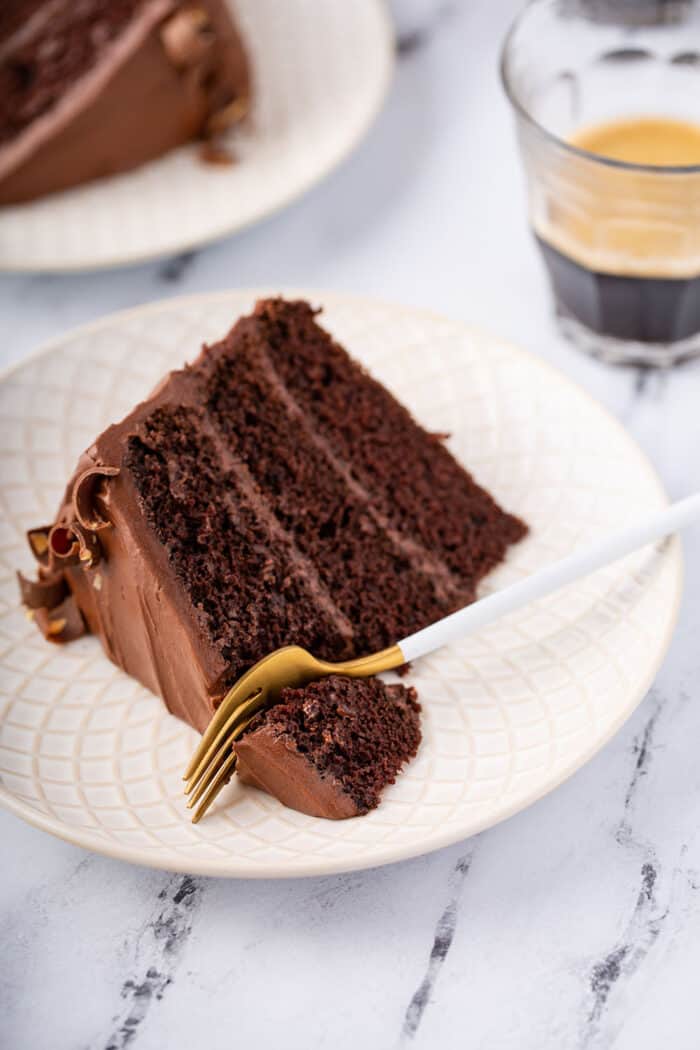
x: 638, y: 284
x: 607, y: 104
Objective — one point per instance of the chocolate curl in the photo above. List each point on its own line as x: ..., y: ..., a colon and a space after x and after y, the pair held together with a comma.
x: 85, y: 494
x: 46, y: 592
x: 62, y: 624
x: 73, y: 545
x: 187, y: 37
x: 38, y: 540
x: 64, y: 548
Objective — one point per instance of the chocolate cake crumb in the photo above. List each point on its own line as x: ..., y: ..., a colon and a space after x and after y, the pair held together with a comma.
x: 338, y: 740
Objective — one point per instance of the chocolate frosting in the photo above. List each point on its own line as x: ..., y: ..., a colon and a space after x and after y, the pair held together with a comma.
x: 173, y: 69
x: 271, y: 762
x: 120, y: 586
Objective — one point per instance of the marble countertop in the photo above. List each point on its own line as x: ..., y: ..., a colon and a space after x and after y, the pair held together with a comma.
x: 575, y: 924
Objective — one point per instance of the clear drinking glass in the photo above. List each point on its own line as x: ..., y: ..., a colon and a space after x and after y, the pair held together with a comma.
x: 620, y: 240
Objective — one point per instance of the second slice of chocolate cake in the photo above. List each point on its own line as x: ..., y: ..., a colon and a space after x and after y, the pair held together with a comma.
x: 90, y: 88
x: 271, y: 493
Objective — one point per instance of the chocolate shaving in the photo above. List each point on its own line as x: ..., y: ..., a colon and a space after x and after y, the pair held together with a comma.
x: 64, y: 545
x: 85, y: 493
x: 46, y: 592
x: 38, y: 540
x: 187, y: 37
x: 64, y: 623
x: 73, y: 544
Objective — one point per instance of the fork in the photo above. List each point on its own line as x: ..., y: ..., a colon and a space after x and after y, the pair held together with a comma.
x: 214, y: 761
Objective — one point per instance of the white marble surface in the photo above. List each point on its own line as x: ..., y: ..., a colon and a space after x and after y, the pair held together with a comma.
x: 575, y: 924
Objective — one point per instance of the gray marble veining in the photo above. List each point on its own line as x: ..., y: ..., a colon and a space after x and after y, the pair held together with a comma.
x: 575, y: 924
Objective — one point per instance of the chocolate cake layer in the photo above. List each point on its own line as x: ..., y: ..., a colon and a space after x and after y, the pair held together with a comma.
x: 331, y: 748
x: 229, y: 514
x: 368, y: 570
x: 415, y: 483
x: 241, y: 572
x: 97, y: 87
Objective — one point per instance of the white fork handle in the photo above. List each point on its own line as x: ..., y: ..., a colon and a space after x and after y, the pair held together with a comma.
x: 581, y: 563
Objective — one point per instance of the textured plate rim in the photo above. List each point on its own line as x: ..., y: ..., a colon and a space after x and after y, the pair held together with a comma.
x: 393, y: 853
x: 385, y: 29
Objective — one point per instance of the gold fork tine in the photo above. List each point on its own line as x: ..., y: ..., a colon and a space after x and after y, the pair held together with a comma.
x: 239, y: 691
x: 214, y: 763
x: 255, y: 678
x: 236, y: 711
x: 217, y: 761
x: 220, y: 780
x: 212, y: 772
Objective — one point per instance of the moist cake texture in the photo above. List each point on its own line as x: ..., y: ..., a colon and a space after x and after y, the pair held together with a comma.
x: 329, y: 749
x: 95, y: 87
x: 271, y: 493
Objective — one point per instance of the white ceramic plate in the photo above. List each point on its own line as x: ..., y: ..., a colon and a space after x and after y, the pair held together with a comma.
x: 89, y: 755
x: 321, y: 71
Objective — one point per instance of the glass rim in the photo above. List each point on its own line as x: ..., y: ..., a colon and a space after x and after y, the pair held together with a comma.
x: 568, y: 147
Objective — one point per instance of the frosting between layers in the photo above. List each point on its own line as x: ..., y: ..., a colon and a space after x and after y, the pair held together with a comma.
x: 446, y: 585
x: 305, y: 565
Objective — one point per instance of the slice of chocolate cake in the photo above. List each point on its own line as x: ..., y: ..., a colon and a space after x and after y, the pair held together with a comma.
x: 95, y: 87
x: 331, y: 748
x: 271, y: 493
